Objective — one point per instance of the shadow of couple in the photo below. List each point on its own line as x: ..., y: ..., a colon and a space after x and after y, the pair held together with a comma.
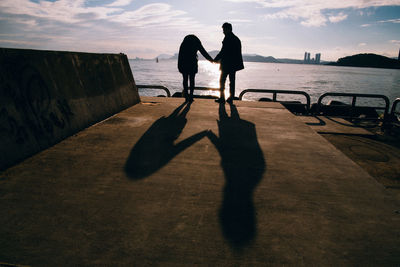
x: 242, y: 161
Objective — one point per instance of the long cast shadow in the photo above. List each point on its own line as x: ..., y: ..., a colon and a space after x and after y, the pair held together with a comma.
x: 157, y: 145
x: 243, y: 163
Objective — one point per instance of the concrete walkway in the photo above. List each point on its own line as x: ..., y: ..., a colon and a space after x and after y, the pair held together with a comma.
x: 171, y: 185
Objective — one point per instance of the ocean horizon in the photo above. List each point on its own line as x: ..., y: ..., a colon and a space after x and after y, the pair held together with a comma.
x: 312, y: 79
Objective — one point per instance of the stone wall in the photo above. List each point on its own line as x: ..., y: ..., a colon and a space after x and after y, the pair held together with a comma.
x: 46, y: 96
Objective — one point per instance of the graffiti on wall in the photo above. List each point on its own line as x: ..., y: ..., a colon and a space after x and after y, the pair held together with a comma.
x: 29, y: 106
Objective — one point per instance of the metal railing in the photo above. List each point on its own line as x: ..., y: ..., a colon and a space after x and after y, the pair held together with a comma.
x: 168, y: 92
x: 276, y: 92
x: 353, y: 102
x: 307, y: 106
x: 198, y: 88
x: 393, y: 111
x: 157, y: 87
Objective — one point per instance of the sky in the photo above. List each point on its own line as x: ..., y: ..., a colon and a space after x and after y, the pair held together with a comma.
x: 146, y: 29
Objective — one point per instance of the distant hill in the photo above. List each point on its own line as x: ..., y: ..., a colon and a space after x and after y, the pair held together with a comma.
x: 258, y: 58
x: 368, y: 60
x: 175, y: 56
x: 291, y: 61
x: 246, y: 57
x: 164, y: 56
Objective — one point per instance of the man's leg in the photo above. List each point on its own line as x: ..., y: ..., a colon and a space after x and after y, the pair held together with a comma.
x: 232, y: 78
x: 222, y: 81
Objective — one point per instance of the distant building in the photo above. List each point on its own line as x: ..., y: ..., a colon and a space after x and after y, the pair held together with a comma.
x: 308, y: 60
x: 318, y: 58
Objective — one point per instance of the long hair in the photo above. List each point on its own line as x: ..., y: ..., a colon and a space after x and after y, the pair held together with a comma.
x: 189, y: 44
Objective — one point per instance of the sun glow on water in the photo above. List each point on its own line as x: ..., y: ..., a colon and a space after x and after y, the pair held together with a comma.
x: 209, y: 73
x: 211, y: 70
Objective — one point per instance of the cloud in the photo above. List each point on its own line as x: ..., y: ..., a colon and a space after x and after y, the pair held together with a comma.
x: 16, y: 42
x: 382, y: 21
x: 73, y: 12
x: 120, y: 3
x: 73, y: 25
x: 158, y: 14
x: 339, y: 17
x: 62, y: 10
x: 362, y: 44
x: 312, y: 13
x: 76, y: 14
x: 390, y: 21
x: 396, y: 42
x: 236, y: 21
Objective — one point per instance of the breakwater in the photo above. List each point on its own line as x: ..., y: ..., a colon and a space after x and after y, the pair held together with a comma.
x: 46, y: 96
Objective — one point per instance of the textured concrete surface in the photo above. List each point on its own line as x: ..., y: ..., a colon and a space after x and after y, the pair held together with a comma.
x: 371, y: 147
x: 380, y: 159
x: 166, y: 184
x: 332, y: 125
x: 46, y: 96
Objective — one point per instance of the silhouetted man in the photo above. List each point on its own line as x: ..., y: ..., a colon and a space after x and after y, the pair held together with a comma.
x: 230, y: 58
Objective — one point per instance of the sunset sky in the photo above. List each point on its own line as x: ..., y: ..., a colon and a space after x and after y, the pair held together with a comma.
x: 278, y: 28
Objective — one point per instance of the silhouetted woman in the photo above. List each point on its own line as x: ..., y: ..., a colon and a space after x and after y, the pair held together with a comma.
x: 187, y: 62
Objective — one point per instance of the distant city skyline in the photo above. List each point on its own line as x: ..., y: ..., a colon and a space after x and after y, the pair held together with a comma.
x: 146, y: 29
x: 309, y: 60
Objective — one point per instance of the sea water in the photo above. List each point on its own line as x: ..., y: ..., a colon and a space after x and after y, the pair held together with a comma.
x: 312, y: 79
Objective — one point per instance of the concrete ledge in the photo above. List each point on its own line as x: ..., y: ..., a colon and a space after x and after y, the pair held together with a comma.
x: 46, y: 96
x: 300, y: 201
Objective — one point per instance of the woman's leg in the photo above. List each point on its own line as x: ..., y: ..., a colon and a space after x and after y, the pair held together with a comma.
x: 185, y: 85
x: 192, y: 85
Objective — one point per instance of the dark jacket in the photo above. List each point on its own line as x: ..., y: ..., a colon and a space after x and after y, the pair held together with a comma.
x: 230, y: 55
x: 187, y: 59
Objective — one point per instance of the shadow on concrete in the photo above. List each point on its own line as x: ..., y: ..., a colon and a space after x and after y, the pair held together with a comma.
x: 320, y: 123
x: 243, y: 163
x: 352, y: 124
x: 156, y: 147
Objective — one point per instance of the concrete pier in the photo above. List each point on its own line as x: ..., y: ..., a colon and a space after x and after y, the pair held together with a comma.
x: 157, y: 184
